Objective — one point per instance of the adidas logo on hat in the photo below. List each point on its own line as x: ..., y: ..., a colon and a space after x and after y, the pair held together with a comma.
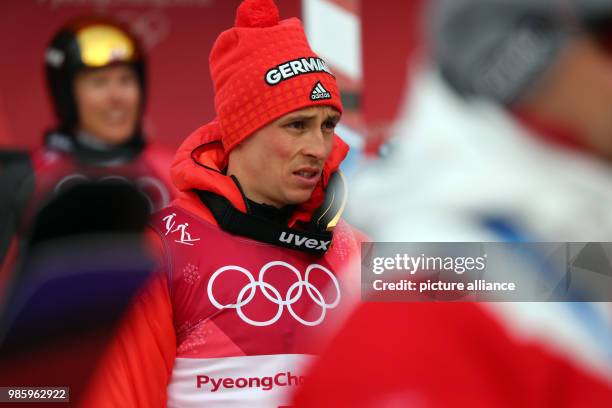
x: 319, y: 92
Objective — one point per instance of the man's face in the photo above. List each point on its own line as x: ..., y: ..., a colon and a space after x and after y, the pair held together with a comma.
x: 577, y: 94
x: 108, y: 102
x: 282, y: 163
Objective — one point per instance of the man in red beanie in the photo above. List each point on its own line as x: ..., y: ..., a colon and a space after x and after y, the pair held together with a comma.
x: 253, y: 248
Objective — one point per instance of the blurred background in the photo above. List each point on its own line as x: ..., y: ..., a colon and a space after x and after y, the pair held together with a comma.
x: 178, y: 35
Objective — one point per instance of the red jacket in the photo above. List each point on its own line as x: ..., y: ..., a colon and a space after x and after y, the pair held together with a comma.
x: 439, y: 355
x: 208, y: 337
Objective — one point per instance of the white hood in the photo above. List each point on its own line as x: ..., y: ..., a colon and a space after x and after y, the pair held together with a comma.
x: 453, y: 163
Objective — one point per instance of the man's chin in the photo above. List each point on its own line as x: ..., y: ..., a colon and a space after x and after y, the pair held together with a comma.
x: 299, y: 197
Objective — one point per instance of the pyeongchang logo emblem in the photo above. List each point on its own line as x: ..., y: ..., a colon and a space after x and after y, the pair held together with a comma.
x: 319, y: 92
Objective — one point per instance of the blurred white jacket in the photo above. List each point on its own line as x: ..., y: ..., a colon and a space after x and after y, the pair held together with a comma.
x: 455, y: 164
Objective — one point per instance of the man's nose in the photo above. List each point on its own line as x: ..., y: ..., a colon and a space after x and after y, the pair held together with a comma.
x: 316, y: 145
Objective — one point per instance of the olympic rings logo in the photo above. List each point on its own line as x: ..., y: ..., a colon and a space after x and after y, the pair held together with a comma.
x: 294, y: 293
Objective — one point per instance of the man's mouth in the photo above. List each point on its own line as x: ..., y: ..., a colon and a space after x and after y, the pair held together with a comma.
x: 307, y: 174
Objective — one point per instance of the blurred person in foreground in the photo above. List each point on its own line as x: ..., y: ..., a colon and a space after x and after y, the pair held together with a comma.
x: 253, y: 250
x: 76, y: 277
x: 507, y: 137
x: 96, y: 79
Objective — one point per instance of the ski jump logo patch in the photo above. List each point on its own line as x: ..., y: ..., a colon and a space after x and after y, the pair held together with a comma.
x: 319, y: 92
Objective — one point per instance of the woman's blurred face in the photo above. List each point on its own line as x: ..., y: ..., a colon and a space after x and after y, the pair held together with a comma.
x: 282, y: 163
x: 108, y: 102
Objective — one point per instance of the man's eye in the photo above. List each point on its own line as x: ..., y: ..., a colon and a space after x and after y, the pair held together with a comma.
x: 329, y: 125
x: 297, y: 125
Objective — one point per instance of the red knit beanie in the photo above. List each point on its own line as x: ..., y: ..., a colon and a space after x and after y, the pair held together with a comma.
x: 263, y: 69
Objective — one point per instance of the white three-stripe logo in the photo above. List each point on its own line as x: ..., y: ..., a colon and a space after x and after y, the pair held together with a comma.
x: 319, y: 92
